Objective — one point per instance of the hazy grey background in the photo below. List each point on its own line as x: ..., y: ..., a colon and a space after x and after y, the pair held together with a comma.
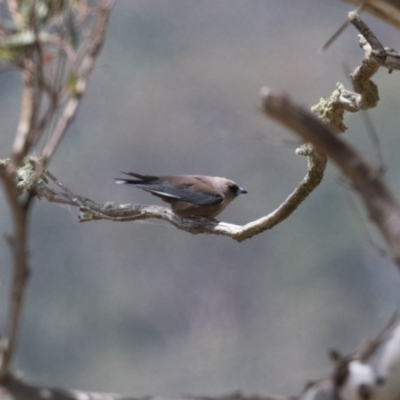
x: 143, y: 308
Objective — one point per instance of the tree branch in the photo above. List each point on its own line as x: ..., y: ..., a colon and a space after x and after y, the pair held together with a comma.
x: 15, y: 389
x: 28, y: 57
x: 18, y: 244
x: 91, y: 211
x: 81, y: 72
x: 380, y: 203
x: 29, y: 111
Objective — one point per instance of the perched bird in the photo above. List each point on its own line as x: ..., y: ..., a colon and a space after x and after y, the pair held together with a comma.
x: 190, y: 196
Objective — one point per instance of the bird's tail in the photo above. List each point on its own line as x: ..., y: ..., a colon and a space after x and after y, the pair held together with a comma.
x: 142, y: 179
x: 127, y: 181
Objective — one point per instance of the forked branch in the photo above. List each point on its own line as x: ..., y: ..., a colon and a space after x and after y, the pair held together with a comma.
x: 378, y: 200
x: 23, y: 45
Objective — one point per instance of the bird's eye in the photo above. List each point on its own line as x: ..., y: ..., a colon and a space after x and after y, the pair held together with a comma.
x: 234, y: 188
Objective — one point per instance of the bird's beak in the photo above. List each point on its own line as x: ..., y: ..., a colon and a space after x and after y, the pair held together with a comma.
x: 241, y: 191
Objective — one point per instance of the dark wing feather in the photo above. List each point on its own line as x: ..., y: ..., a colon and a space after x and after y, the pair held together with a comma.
x: 185, y: 192
x: 143, y: 178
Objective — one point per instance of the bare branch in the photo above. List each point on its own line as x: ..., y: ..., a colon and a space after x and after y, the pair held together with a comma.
x: 29, y: 111
x: 369, y: 36
x: 95, y: 43
x: 365, y: 92
x: 15, y: 389
x: 370, y: 346
x: 19, y: 247
x: 91, y: 210
x: 34, y: 84
x: 387, y: 10
x: 377, y: 198
x: 386, y: 57
x: 341, y: 29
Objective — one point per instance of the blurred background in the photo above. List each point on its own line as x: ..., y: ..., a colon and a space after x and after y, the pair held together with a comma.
x: 143, y: 308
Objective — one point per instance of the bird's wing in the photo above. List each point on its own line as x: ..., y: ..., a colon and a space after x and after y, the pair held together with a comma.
x: 196, y: 194
x: 143, y: 178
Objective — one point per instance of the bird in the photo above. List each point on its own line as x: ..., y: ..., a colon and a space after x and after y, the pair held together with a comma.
x: 190, y: 196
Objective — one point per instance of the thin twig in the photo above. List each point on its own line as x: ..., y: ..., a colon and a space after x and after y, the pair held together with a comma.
x: 340, y: 30
x: 368, y: 347
x: 95, y: 44
x: 29, y: 112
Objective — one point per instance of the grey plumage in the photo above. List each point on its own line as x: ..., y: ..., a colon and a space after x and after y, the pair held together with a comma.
x: 190, y: 196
